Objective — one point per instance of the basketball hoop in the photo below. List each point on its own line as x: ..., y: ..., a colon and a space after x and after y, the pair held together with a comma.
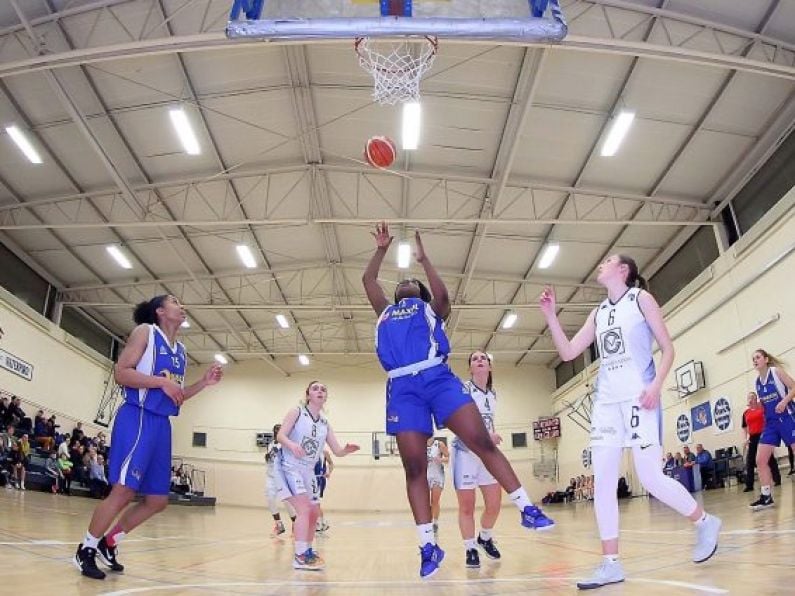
x: 396, y: 70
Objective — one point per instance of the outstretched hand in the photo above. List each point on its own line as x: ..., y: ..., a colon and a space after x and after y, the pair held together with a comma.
x: 213, y: 374
x: 419, y: 249
x: 381, y: 235
x: 350, y: 448
x: 547, y: 301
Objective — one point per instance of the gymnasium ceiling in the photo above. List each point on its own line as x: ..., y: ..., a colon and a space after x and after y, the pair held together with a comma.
x: 508, y: 162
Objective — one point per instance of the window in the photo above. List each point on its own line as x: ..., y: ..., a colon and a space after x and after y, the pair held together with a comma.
x: 22, y: 281
x: 200, y: 439
x: 83, y: 328
x: 518, y: 440
x: 688, y: 262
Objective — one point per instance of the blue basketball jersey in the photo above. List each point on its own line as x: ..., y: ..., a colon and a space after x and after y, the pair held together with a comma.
x: 163, y: 360
x: 770, y: 393
x: 409, y: 332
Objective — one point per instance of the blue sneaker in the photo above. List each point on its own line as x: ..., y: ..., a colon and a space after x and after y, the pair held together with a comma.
x: 432, y: 557
x: 534, y: 518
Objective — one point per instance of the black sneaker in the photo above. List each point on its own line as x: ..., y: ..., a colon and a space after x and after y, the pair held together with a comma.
x: 84, y: 560
x: 473, y: 559
x: 489, y: 548
x: 107, y: 554
x: 763, y: 502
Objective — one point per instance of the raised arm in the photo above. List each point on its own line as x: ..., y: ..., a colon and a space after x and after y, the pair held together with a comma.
x: 210, y: 377
x: 651, y: 310
x: 568, y: 349
x: 441, y: 299
x: 374, y: 291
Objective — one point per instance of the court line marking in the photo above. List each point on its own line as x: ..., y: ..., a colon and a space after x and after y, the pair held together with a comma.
x: 73, y: 542
x: 396, y: 583
x: 748, y: 532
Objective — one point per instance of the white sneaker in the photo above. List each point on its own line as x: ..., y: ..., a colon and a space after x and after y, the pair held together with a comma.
x: 706, y: 539
x: 607, y: 573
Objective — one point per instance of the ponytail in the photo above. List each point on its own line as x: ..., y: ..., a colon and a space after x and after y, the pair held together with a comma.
x: 634, y: 279
x: 772, y: 361
x: 146, y: 312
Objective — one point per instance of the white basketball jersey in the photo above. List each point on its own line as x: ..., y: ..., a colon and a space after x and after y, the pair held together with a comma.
x: 486, y: 401
x: 435, y: 468
x: 270, y: 461
x: 309, y: 433
x: 624, y: 340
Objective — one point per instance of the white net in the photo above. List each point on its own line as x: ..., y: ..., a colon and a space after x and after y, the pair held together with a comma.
x: 397, y: 67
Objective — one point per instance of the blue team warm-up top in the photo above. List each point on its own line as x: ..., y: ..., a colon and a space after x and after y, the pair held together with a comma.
x: 778, y: 427
x: 140, y: 455
x: 413, y: 347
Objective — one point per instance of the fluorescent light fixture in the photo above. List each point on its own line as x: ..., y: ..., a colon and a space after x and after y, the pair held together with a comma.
x: 548, y: 256
x: 618, y: 131
x: 119, y: 256
x: 404, y: 255
x: 179, y: 119
x: 221, y: 359
x: 185, y: 324
x: 245, y: 254
x: 23, y: 143
x: 303, y: 359
x: 283, y: 322
x: 412, y: 117
x: 509, y: 320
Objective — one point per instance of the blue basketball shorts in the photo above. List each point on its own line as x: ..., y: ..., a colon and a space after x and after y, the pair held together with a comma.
x: 778, y: 430
x: 418, y: 401
x: 140, y: 454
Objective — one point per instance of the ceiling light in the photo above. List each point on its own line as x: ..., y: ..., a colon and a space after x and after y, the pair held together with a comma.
x: 283, y: 322
x: 245, y: 254
x: 411, y: 125
x: 185, y: 324
x: 179, y: 119
x: 303, y: 359
x: 548, y: 256
x: 23, y: 143
x: 618, y: 131
x: 119, y: 256
x: 221, y: 359
x: 404, y: 255
x: 509, y: 320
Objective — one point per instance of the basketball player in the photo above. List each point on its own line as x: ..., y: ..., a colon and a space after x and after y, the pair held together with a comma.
x: 438, y: 456
x: 412, y: 347
x: 272, y: 488
x: 775, y: 389
x: 303, y: 435
x: 323, y: 469
x: 151, y: 370
x: 469, y: 472
x: 626, y: 411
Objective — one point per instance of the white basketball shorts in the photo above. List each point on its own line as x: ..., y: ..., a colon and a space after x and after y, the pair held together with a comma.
x: 625, y: 424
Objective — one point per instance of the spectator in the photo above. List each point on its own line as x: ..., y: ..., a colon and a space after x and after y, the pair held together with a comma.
x: 77, y: 432
x: 65, y: 465
x: 41, y: 434
x: 753, y: 424
x: 568, y: 494
x: 706, y: 466
x: 670, y: 463
x: 63, y: 447
x: 53, y: 472
x: 18, y: 416
x: 98, y: 480
x: 3, y: 411
x: 679, y: 460
x: 18, y: 466
x: 24, y: 447
x: 689, y: 457
x: 7, y: 440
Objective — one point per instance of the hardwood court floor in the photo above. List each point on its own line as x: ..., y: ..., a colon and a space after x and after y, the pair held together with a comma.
x: 228, y: 551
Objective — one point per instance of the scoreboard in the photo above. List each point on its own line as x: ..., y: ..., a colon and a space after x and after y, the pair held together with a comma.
x: 546, y: 428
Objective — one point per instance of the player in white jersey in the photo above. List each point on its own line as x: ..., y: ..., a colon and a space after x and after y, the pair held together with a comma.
x: 469, y: 472
x: 272, y: 485
x: 303, y: 435
x: 438, y: 456
x: 626, y: 411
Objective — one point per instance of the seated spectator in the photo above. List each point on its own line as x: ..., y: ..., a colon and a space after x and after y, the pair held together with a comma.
x: 76, y: 453
x: 688, y: 457
x: 679, y: 460
x: 4, y: 411
x: 24, y: 447
x: 77, y: 432
x: 7, y: 440
x: 98, y: 480
x: 63, y: 446
x: 65, y: 465
x: 184, y: 484
x: 53, y: 472
x: 623, y: 490
x: 18, y: 416
x: 706, y: 466
x: 41, y: 434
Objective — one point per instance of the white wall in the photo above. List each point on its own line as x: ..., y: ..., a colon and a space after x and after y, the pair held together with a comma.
x: 721, y: 305
x: 68, y: 377
x: 252, y: 397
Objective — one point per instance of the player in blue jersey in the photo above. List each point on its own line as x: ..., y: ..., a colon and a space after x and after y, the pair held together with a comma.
x: 421, y: 389
x: 776, y: 390
x: 151, y: 371
x: 626, y: 410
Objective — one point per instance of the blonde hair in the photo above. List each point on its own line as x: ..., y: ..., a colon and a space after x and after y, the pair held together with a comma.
x: 771, y: 360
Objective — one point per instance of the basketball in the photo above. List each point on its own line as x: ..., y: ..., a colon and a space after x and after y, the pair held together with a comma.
x: 380, y: 152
